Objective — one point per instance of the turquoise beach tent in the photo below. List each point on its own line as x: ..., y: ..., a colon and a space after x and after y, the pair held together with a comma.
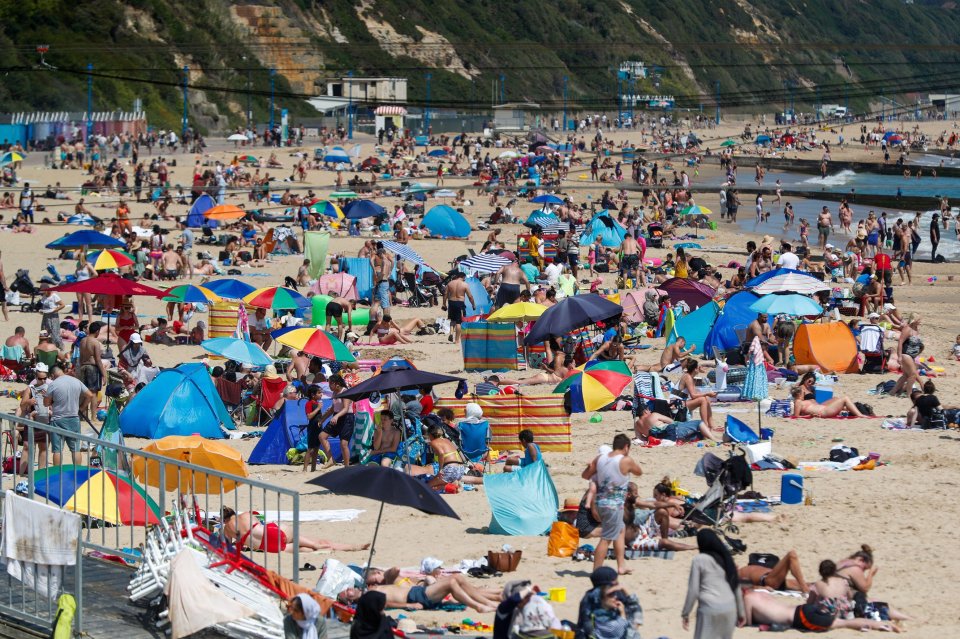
x: 196, y: 218
x: 604, y: 226
x: 282, y: 434
x: 523, y: 502
x: 179, y: 401
x: 695, y: 327
x: 446, y: 221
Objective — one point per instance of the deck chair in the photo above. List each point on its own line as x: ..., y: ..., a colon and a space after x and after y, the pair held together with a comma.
x: 475, y: 441
x: 271, y: 390
x: 14, y: 358
x: 871, y: 346
x: 231, y: 393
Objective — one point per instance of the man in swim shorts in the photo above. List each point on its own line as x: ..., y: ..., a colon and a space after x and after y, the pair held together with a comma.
x: 454, y: 302
x: 335, y: 310
x: 430, y: 597
x: 510, y: 277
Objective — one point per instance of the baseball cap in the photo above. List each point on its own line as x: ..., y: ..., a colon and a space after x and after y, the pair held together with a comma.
x: 136, y: 339
x: 603, y: 576
x: 829, y: 246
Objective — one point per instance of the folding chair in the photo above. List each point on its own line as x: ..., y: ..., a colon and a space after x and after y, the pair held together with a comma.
x: 475, y: 441
x: 871, y: 345
x: 231, y: 393
x: 271, y: 391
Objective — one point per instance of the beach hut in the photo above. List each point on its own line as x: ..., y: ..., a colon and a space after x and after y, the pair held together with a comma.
x: 179, y: 401
x: 283, y: 432
x: 196, y: 218
x: 831, y: 346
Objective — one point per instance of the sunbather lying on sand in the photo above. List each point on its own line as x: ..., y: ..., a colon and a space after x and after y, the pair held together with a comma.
x: 764, y: 608
x: 830, y: 408
x: 648, y: 423
x: 775, y: 577
x: 395, y: 576
x: 430, y: 597
x: 250, y: 533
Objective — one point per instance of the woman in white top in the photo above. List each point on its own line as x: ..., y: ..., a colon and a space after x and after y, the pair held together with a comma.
x: 83, y: 273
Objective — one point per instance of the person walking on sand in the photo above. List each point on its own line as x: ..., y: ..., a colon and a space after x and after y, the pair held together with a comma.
x: 454, y: 302
x: 611, y: 473
x: 715, y: 587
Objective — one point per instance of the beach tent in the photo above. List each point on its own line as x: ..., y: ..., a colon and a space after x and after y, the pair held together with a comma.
x: 832, y: 347
x: 282, y: 434
x: 682, y: 289
x: 179, y: 401
x: 632, y: 303
x: 445, y: 221
x: 523, y: 502
x: 695, y: 327
x: 610, y: 232
x: 734, y: 314
x: 480, y: 297
x: 196, y: 217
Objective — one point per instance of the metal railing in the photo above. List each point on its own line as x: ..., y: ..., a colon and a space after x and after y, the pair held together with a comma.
x: 120, y: 492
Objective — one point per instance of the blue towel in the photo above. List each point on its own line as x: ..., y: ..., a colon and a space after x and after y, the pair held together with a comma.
x: 362, y: 269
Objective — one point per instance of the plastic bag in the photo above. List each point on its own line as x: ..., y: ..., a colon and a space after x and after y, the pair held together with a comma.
x: 563, y: 541
x: 335, y: 578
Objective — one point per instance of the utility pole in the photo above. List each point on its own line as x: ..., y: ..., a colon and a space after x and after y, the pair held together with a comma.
x: 619, y: 98
x: 89, y: 99
x: 273, y: 83
x: 563, y: 123
x: 426, y: 111
x: 818, y: 103
x: 503, y: 88
x: 249, y: 98
x: 350, y: 105
x: 186, y: 79
x: 718, y: 101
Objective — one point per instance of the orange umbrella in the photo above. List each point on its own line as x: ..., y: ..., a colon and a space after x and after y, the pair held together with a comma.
x: 225, y: 212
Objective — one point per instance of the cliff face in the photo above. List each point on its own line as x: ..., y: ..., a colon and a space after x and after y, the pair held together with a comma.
x: 763, y: 54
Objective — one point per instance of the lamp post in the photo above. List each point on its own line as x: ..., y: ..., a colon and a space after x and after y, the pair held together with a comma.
x: 186, y: 79
x: 273, y: 83
x: 350, y: 105
x: 89, y: 99
x: 426, y: 111
x: 563, y: 124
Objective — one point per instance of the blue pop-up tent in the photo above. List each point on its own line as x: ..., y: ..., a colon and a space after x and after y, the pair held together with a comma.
x: 282, y: 434
x: 735, y: 314
x: 446, y: 221
x: 179, y: 401
x: 480, y: 296
x: 604, y: 226
x: 695, y: 327
x: 196, y: 217
x: 523, y: 502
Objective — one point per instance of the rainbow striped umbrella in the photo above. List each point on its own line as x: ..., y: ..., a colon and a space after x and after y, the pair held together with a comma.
x: 314, y: 341
x: 185, y: 293
x: 107, y: 259
x: 276, y: 298
x: 325, y: 207
x: 98, y: 493
x: 597, y: 384
x: 248, y: 158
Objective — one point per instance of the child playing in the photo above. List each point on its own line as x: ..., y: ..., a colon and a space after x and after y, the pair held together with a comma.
x: 956, y: 348
x: 531, y: 452
x: 314, y: 408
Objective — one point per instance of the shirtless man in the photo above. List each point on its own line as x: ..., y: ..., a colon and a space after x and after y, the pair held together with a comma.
x: 824, y: 226
x: 510, y: 277
x: 664, y: 427
x: 761, y: 328
x: 430, y: 597
x: 671, y: 353
x: 92, y: 371
x: 454, y: 303
x: 335, y: 311
x: 19, y: 339
x: 382, y: 267
x: 630, y: 262
x: 170, y: 263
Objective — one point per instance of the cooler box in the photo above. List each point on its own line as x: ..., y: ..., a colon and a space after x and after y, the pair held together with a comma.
x: 822, y: 393
x: 791, y: 488
x: 756, y: 452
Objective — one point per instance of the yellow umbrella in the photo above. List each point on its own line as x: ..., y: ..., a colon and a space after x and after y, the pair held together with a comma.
x: 518, y: 312
x: 193, y: 450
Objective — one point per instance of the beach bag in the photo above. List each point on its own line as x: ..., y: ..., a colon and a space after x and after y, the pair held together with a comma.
x: 843, y: 453
x: 63, y: 622
x: 884, y: 388
x: 563, y: 540
x: 937, y: 419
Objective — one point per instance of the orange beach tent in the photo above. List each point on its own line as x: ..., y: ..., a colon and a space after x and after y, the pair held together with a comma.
x: 831, y: 346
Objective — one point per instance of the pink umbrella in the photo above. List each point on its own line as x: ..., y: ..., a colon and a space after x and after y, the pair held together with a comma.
x: 337, y: 284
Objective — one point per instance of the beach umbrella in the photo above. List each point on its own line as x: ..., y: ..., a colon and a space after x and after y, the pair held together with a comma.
x: 542, y: 219
x: 395, y: 381
x: 682, y: 289
x: 509, y: 154
x: 696, y: 209
x: 596, y: 385
x: 98, y: 493
x: 518, y: 312
x: 570, y: 314
x: 445, y: 221
x: 438, y: 153
x: 359, y: 209
x: 189, y: 293
x: 237, y: 137
x: 224, y: 212
x: 338, y: 284
x: 248, y: 159
x: 388, y: 486
x: 106, y: 259
x: 328, y: 208
x: 237, y: 349
x: 397, y: 363
x: 419, y: 187
x: 484, y: 263
x: 230, y: 288
x: 785, y: 280
x: 86, y: 238
x: 343, y: 195
x: 83, y: 219
x: 369, y: 162
x: 786, y: 304
x: 10, y: 157
x: 276, y: 298
x: 546, y: 199
x: 336, y: 154
x: 728, y: 142
x: 192, y: 449
x: 314, y: 341
x: 404, y: 252
x: 895, y: 139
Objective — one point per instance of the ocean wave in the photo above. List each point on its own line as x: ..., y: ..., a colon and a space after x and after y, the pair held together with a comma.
x: 838, y: 179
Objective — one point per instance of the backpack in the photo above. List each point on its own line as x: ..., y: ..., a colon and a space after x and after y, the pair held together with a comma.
x: 937, y: 419
x: 843, y: 453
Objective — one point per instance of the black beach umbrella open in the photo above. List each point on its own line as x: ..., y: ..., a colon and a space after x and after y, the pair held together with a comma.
x: 572, y: 313
x: 388, y: 486
x: 393, y: 381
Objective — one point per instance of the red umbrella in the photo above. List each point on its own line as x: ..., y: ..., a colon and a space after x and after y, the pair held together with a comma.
x: 110, y: 284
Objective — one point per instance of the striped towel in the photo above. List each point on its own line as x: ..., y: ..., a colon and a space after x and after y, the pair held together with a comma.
x: 509, y: 414
x: 648, y: 385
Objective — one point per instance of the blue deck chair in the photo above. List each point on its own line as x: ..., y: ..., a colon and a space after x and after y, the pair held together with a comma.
x: 475, y: 441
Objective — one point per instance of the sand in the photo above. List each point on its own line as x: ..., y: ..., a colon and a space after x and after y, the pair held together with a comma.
x: 905, y: 510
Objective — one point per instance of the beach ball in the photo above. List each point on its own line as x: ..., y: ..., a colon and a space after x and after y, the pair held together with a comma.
x: 101, y: 414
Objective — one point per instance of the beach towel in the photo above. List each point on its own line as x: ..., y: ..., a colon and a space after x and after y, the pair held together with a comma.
x: 897, y: 423
x: 345, y: 514
x: 38, y: 540
x: 194, y: 602
x: 523, y: 502
x: 223, y: 319
x: 489, y: 346
x: 643, y: 553
x: 362, y: 269
x: 648, y: 385
x: 315, y: 249
x: 509, y: 414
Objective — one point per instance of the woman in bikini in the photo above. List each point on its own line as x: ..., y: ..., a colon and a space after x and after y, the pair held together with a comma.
x: 830, y: 408
x: 449, y: 466
x: 249, y: 532
x: 859, y: 570
x: 389, y: 332
x: 695, y: 398
x: 908, y: 347
x: 776, y: 577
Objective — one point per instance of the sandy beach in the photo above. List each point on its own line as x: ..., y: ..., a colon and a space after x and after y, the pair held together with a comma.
x: 903, y: 509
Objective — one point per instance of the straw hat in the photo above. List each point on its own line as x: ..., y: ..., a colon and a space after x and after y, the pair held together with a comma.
x: 570, y: 504
x: 270, y: 372
x: 767, y: 240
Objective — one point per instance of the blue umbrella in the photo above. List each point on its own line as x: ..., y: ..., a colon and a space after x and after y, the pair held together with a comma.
x: 541, y: 219
x: 438, y: 153
x: 90, y: 239
x: 336, y: 154
x: 239, y: 350
x: 445, y: 221
x: 570, y: 314
x: 786, y: 304
x: 230, y: 288
x: 547, y: 199
x: 82, y: 219
x: 359, y: 209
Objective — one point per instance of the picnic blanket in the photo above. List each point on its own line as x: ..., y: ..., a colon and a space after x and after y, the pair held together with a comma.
x: 489, y: 346
x: 509, y: 414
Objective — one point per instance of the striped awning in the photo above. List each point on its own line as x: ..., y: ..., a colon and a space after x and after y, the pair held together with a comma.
x: 390, y: 110
x: 404, y: 252
x: 484, y: 263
